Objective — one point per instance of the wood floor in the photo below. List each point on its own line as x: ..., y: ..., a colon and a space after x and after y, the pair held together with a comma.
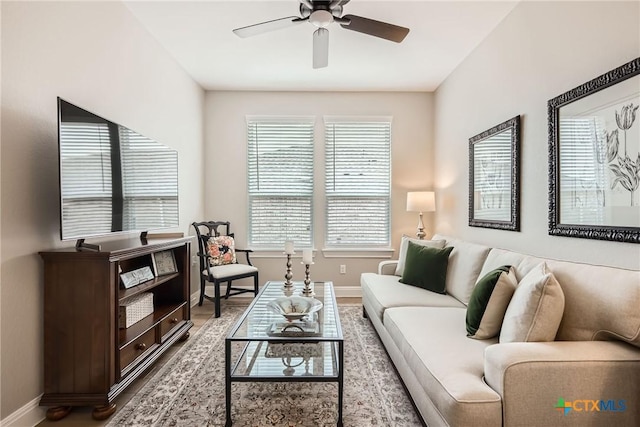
x: 81, y: 416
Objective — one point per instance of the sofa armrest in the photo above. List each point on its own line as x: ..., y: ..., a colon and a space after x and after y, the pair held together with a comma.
x: 388, y: 267
x: 534, y: 379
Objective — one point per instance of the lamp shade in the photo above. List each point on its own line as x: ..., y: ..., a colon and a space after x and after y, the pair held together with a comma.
x: 421, y: 201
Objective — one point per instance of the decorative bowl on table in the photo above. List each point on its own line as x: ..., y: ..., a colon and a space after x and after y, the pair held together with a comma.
x: 294, y: 308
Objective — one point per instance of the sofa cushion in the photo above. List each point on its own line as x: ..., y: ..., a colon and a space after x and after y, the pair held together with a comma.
x: 385, y: 291
x: 449, y: 366
x: 404, y: 244
x: 535, y: 311
x: 489, y: 301
x: 594, y: 289
x: 610, y: 296
x: 426, y: 267
x: 520, y: 262
x: 465, y: 263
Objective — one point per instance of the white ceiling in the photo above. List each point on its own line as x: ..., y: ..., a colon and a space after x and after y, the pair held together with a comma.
x: 198, y: 35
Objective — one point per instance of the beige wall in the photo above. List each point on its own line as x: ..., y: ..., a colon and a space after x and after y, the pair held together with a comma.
x: 96, y: 55
x: 225, y: 153
x: 539, y: 51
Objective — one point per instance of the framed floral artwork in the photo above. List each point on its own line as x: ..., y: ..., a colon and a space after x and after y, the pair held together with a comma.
x: 594, y: 158
x: 494, y: 177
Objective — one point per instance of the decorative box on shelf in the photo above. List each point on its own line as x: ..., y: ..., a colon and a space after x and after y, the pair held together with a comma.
x: 135, y: 308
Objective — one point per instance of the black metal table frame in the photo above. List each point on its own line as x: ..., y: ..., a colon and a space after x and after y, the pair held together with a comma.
x: 229, y: 378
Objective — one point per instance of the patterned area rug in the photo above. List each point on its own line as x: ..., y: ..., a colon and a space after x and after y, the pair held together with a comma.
x: 189, y: 389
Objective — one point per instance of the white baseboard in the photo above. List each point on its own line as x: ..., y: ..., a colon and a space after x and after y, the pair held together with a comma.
x: 341, y: 292
x: 195, y: 297
x: 29, y: 415
x: 348, y: 291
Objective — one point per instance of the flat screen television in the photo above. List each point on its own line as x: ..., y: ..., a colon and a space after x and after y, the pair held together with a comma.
x: 112, y: 179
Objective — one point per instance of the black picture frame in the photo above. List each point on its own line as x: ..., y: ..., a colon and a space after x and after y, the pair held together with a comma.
x: 164, y: 262
x: 501, y: 218
x: 602, y: 100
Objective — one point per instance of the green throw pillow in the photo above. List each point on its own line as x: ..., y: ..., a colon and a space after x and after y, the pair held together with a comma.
x: 489, y: 301
x: 426, y: 267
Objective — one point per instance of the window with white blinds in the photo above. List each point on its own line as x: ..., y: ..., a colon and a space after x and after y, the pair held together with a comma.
x: 149, y: 182
x: 357, y: 182
x: 582, y: 171
x: 280, y: 181
x: 86, y: 187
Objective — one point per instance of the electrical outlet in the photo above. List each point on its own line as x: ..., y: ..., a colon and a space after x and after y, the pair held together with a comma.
x: 343, y: 269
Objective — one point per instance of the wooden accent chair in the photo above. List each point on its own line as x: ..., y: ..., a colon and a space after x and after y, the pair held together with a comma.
x: 218, y: 262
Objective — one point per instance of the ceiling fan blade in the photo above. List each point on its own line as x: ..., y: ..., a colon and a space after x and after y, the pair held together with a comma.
x: 264, y: 27
x: 320, y: 48
x: 375, y: 28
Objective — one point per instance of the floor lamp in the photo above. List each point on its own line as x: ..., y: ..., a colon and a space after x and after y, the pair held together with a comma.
x: 421, y: 201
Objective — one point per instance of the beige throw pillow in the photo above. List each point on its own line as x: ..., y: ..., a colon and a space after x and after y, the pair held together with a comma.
x: 493, y: 316
x: 536, y: 308
x: 404, y: 244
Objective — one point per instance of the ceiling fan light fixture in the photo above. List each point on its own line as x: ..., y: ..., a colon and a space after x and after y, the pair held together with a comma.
x: 322, y: 13
x: 321, y: 18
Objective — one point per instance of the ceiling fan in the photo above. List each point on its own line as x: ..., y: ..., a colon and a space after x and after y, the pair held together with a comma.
x: 322, y: 13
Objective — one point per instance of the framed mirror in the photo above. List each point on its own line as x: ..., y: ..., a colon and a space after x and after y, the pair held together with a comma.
x: 594, y: 158
x: 494, y: 174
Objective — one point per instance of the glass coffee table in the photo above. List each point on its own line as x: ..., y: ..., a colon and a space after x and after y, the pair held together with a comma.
x: 265, y: 347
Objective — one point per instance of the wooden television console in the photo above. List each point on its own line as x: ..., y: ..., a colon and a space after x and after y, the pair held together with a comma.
x: 88, y: 360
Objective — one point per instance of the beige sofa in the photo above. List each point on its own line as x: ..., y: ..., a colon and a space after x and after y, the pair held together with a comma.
x: 592, y: 368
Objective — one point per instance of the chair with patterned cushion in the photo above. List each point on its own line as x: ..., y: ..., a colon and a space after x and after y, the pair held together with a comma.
x: 218, y: 261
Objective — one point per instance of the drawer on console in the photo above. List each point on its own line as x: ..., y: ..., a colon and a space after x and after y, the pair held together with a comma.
x: 172, y: 321
x: 136, y: 348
